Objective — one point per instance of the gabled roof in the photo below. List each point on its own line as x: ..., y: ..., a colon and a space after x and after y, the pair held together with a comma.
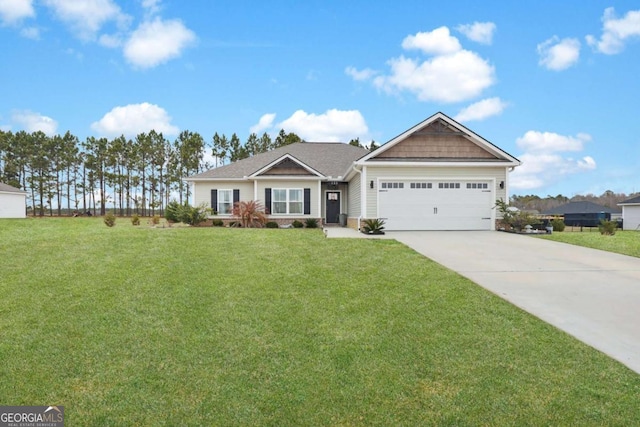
x: 583, y: 207
x: 631, y: 201
x: 441, y: 124
x: 6, y: 188
x: 284, y: 159
x: 329, y: 159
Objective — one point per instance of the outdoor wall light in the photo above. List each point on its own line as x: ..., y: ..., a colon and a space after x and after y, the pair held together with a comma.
x: 371, y: 184
x: 501, y: 185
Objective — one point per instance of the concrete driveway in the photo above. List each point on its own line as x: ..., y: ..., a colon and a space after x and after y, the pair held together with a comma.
x: 590, y: 294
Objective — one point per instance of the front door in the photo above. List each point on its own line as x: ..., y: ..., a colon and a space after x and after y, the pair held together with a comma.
x: 332, y: 209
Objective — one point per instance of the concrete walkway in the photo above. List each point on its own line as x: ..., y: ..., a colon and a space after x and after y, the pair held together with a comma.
x: 590, y: 294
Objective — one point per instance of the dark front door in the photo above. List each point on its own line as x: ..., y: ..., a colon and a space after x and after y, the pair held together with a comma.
x: 332, y: 207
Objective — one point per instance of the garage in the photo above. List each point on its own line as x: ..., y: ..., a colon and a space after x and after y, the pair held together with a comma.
x: 631, y: 214
x: 427, y: 204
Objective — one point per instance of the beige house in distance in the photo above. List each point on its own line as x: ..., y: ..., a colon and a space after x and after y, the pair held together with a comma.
x: 437, y: 175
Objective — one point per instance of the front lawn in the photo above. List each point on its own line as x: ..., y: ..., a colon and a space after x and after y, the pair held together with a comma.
x: 623, y: 242
x: 215, y: 326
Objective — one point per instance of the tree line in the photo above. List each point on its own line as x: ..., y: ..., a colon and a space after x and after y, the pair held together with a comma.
x: 138, y: 175
x: 533, y: 202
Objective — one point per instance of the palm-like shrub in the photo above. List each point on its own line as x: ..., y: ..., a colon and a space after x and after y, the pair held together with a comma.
x: 373, y: 226
x: 249, y: 214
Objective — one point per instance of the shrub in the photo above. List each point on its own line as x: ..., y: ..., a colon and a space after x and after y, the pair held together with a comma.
x: 297, y: 224
x: 135, y: 219
x: 155, y: 220
x: 110, y: 219
x: 250, y: 213
x: 558, y: 224
x: 311, y: 223
x: 373, y: 226
x: 607, y: 228
x: 193, y: 215
x: 217, y: 223
x: 516, y: 220
x: 172, y: 212
x: 235, y: 224
x: 271, y: 224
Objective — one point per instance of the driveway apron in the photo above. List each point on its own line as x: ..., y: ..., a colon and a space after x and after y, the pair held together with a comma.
x: 590, y: 294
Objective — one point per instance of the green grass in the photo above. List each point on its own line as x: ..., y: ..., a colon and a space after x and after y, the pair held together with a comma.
x: 623, y: 242
x: 211, y: 326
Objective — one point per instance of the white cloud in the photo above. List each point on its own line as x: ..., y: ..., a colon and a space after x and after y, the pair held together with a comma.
x: 152, y: 6
x: 133, y: 119
x: 436, y: 42
x: 480, y: 32
x: 331, y: 126
x: 86, y: 17
x: 265, y: 122
x: 447, y: 78
x: 156, y: 42
x: 534, y: 141
x: 13, y: 11
x: 30, y: 33
x: 452, y: 74
x: 110, y: 40
x: 615, y: 31
x: 32, y: 122
x: 557, y: 55
x: 543, y: 162
x: 360, y: 75
x: 481, y: 110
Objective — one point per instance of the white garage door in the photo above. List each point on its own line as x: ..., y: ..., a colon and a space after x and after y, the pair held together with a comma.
x: 435, y: 205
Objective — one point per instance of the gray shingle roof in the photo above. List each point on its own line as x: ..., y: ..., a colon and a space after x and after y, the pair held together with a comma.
x: 631, y: 200
x: 9, y: 189
x: 579, y: 208
x: 329, y: 158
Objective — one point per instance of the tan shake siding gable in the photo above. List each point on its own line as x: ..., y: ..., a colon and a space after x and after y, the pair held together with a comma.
x: 433, y: 143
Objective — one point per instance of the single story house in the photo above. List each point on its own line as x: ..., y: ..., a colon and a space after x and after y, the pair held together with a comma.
x: 13, y: 202
x: 583, y: 213
x: 437, y: 175
x: 631, y: 213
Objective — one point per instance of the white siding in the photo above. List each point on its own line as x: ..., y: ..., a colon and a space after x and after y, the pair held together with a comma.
x: 202, y: 190
x: 375, y: 173
x: 13, y: 205
x: 631, y: 217
x: 353, y: 207
x: 312, y: 184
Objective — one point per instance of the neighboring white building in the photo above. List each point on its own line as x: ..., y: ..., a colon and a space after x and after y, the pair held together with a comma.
x: 631, y: 214
x: 13, y: 202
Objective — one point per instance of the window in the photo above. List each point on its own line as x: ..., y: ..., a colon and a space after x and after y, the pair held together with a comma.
x: 477, y: 185
x: 390, y: 185
x: 225, y: 202
x: 287, y: 201
x: 448, y: 185
x: 419, y: 185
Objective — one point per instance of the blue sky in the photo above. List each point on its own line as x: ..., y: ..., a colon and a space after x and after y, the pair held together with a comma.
x: 553, y: 83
